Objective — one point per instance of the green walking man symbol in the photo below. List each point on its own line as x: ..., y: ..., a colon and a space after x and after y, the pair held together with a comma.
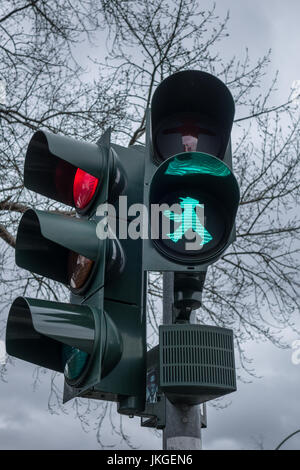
x: 189, y: 220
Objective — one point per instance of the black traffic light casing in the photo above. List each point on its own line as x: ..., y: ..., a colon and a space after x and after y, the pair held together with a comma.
x: 189, y: 164
x: 98, y: 339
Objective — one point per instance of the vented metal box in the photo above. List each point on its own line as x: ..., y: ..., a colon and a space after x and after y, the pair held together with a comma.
x: 196, y: 362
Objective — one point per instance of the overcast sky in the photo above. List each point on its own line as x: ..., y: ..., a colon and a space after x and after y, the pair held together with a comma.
x: 261, y: 412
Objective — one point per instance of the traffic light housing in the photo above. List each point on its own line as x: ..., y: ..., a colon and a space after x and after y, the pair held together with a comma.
x: 184, y: 178
x: 98, y: 340
x: 192, y: 197
x: 188, y: 173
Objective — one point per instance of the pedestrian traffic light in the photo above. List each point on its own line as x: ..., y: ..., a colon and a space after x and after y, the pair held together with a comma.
x: 192, y: 198
x: 97, y: 340
x: 190, y: 188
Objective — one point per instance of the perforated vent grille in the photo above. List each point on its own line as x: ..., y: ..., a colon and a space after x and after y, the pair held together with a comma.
x: 196, y: 355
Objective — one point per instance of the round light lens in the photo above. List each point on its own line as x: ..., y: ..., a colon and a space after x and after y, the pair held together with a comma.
x: 79, y: 270
x: 84, y: 188
x: 186, y: 132
x: 74, y: 362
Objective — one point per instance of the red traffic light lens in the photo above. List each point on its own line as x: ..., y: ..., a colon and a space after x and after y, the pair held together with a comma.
x: 79, y: 270
x: 84, y: 188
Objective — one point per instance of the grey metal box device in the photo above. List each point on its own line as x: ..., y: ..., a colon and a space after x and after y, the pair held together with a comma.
x: 196, y: 362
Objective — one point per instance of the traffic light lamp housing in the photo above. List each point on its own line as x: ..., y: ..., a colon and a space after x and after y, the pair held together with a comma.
x: 194, y: 180
x: 38, y: 331
x: 188, y: 173
x: 55, y: 165
x: 191, y: 111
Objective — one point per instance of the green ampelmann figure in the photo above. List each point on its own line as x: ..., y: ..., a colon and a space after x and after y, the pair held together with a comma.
x: 189, y: 220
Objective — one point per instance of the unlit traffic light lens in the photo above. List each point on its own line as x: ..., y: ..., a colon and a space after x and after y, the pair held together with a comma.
x: 74, y: 362
x: 80, y: 269
x: 84, y: 188
x: 186, y: 132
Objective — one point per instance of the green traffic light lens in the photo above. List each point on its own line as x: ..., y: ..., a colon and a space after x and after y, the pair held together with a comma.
x: 196, y: 196
x: 196, y: 163
x: 188, y: 219
x: 74, y: 362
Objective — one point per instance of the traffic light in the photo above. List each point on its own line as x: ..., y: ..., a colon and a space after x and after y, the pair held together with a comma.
x: 192, y: 198
x: 190, y: 189
x: 98, y: 340
x: 183, y: 179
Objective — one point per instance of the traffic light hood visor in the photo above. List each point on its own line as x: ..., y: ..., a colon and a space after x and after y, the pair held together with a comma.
x: 37, y: 330
x: 191, y: 111
x: 45, y: 239
x: 52, y: 161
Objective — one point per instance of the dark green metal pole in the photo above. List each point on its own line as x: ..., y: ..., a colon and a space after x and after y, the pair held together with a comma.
x: 183, y: 422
